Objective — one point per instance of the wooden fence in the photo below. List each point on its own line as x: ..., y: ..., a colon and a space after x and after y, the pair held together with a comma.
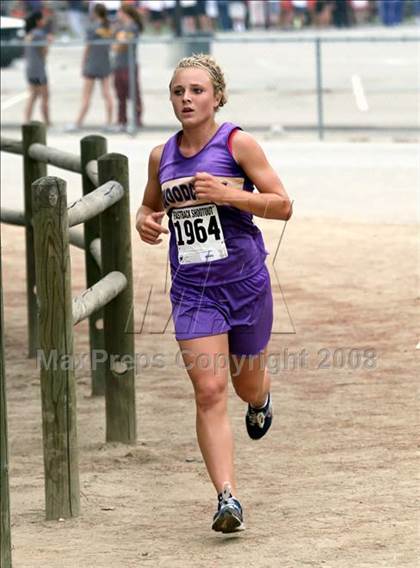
x: 52, y: 312
x: 5, y: 542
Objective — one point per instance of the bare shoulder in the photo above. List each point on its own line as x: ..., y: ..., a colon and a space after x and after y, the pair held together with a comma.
x: 244, y: 146
x: 243, y: 139
x: 156, y: 153
x: 151, y: 197
x: 155, y: 157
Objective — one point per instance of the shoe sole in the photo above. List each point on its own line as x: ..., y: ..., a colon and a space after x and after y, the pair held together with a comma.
x: 228, y: 522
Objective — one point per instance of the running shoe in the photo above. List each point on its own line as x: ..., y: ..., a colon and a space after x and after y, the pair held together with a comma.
x: 228, y: 517
x: 258, y: 420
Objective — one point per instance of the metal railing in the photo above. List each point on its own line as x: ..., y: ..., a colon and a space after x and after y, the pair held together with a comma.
x: 188, y: 44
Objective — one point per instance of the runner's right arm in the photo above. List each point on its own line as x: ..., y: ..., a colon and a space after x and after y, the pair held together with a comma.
x: 150, y: 214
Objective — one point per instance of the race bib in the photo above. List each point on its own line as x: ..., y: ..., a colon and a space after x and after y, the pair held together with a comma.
x: 199, y: 234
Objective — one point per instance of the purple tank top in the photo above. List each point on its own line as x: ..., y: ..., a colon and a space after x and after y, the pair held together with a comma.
x: 229, y: 229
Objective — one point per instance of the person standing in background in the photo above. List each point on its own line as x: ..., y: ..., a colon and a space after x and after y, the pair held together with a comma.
x: 35, y: 56
x: 225, y: 20
x: 128, y: 27
x: 156, y: 12
x: 391, y: 12
x: 340, y: 14
x: 76, y: 12
x: 96, y: 64
x: 112, y: 7
x: 238, y: 14
x: 32, y: 6
x: 196, y: 15
x: 360, y: 11
x: 300, y: 9
x: 29, y: 7
x: 273, y: 13
x: 189, y: 13
x: 202, y: 15
x: 286, y: 14
x: 323, y: 13
x: 258, y: 14
x: 212, y: 11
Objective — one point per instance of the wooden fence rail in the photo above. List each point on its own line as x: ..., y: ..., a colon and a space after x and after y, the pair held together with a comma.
x: 77, y: 239
x: 98, y: 296
x: 92, y: 170
x: 55, y: 157
x: 12, y: 217
x: 94, y: 203
x: 11, y: 146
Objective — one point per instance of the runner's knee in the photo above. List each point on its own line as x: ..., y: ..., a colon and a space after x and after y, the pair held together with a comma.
x: 210, y: 392
x: 247, y: 392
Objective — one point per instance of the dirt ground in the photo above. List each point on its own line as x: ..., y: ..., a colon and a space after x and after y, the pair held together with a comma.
x: 333, y: 485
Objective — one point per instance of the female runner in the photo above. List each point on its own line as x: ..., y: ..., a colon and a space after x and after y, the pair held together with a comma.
x: 203, y: 179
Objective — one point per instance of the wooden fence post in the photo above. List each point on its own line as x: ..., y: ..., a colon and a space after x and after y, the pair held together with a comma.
x: 118, y: 314
x: 58, y: 392
x: 32, y: 170
x: 91, y: 148
x: 5, y: 540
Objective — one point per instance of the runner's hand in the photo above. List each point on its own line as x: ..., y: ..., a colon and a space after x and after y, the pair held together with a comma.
x: 150, y: 228
x: 208, y: 188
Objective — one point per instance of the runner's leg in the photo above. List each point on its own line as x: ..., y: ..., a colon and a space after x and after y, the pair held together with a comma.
x: 250, y: 378
x: 206, y: 360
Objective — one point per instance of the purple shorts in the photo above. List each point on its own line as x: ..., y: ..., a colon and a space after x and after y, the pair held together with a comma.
x: 243, y: 310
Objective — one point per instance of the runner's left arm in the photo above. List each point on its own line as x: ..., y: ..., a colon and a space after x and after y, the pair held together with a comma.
x: 271, y: 201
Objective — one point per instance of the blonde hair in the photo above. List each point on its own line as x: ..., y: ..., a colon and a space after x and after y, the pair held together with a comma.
x: 207, y: 63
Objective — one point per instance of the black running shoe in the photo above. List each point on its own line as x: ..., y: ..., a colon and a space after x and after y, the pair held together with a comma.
x: 258, y: 420
x: 228, y: 517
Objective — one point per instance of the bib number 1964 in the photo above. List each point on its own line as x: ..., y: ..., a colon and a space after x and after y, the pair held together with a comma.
x: 199, y: 234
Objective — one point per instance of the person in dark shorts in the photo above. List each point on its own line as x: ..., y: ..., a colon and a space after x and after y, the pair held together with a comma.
x: 203, y: 178
x: 128, y: 28
x: 36, y: 75
x: 96, y: 65
x: 204, y: 20
x: 156, y: 13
